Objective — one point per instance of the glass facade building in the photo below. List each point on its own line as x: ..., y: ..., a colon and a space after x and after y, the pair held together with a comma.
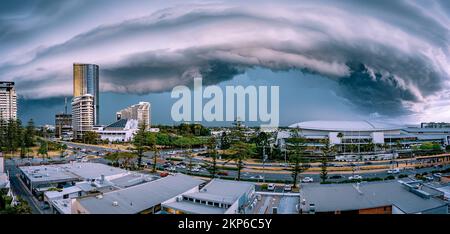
x: 86, y: 81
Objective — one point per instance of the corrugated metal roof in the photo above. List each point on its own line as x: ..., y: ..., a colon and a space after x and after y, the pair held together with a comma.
x: 140, y: 197
x: 345, y: 126
x: 342, y: 197
x: 195, y: 208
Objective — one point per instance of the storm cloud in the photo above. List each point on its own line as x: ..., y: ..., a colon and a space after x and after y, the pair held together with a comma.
x: 388, y: 57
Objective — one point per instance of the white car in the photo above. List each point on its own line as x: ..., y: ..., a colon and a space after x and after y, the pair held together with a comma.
x: 308, y: 180
x: 355, y: 177
x: 288, y: 188
x: 270, y: 187
x: 258, y: 177
x: 394, y: 171
x: 195, y: 170
x: 172, y: 168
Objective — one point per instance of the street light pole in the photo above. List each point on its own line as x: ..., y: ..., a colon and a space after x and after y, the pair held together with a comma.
x: 264, y: 162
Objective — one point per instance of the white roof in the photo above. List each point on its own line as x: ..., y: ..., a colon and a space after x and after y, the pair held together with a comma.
x: 63, y: 205
x: 224, y: 191
x: 68, y: 190
x: 138, y: 198
x: 345, y: 126
x: 69, y: 171
x: 4, y: 181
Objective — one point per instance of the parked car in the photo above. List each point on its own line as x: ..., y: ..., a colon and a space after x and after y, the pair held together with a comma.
x: 172, y: 168
x: 438, y: 175
x: 355, y: 177
x: 163, y: 174
x: 288, y: 188
x: 308, y: 180
x: 271, y: 187
x: 257, y: 177
x: 195, y: 169
x: 393, y: 171
x: 222, y: 173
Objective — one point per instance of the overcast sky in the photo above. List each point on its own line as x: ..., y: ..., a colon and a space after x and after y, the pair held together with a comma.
x: 332, y: 59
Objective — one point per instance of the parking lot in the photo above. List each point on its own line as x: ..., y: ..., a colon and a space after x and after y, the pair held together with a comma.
x: 281, y: 204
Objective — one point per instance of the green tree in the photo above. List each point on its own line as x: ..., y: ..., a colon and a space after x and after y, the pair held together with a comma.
x: 139, y: 142
x: 262, y: 142
x: 296, y: 148
x: 113, y: 157
x: 13, y: 135
x: 240, y: 152
x: 340, y: 135
x: 398, y: 145
x: 125, y: 157
x: 224, y: 141
x: 43, y: 149
x: 151, y: 142
x: 62, y: 148
x: 90, y: 137
x: 30, y: 133
x: 327, y: 152
x: 188, y: 155
x: 211, y: 166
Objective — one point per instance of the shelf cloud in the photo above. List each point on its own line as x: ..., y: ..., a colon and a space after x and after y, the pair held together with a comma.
x: 388, y: 57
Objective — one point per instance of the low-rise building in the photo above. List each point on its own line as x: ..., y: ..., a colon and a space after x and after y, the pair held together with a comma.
x: 217, y: 197
x: 60, y: 200
x: 122, y: 130
x: 393, y: 197
x: 364, y: 137
x: 41, y: 178
x: 144, y: 198
x: 4, y: 179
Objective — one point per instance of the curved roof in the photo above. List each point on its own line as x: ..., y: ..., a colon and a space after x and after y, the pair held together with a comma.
x: 345, y: 126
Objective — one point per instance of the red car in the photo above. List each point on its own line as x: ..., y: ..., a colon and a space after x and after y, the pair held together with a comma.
x: 223, y: 173
x: 163, y: 174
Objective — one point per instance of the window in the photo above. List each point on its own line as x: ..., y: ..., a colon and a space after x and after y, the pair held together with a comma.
x: 65, y: 196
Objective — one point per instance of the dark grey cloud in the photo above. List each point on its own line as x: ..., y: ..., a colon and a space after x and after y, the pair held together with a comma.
x: 386, y: 56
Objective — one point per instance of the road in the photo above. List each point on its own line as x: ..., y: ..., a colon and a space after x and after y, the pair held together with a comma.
x: 267, y: 175
x: 19, y: 189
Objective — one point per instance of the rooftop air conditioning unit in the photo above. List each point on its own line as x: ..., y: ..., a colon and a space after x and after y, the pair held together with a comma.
x: 179, y: 198
x: 115, y: 203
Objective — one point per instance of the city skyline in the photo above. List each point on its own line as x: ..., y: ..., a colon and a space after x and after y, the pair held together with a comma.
x: 386, y: 61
